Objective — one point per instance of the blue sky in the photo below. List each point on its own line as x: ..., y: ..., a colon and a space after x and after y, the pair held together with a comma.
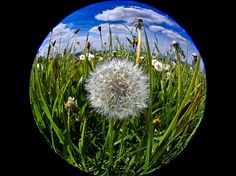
x: 117, y: 13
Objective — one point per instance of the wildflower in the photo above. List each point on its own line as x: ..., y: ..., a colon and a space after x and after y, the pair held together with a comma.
x: 173, y: 63
x: 156, y: 121
x: 158, y: 66
x: 154, y: 61
x: 142, y: 57
x: 89, y: 55
x: 166, y: 67
x: 118, y: 88
x: 81, y: 57
x: 40, y: 66
x: 71, y: 105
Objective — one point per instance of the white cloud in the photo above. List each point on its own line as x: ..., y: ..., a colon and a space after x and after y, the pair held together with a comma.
x: 62, y: 31
x: 115, y: 28
x: 155, y: 28
x: 128, y: 14
x: 169, y: 33
x: 62, y: 34
x: 118, y: 30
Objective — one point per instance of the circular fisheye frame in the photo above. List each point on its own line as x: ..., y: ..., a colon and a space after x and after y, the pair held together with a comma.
x: 118, y: 88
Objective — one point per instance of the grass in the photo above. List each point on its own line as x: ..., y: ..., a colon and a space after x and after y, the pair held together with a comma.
x: 135, y: 146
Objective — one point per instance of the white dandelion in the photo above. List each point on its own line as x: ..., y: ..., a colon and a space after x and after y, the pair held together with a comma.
x: 81, y: 57
x: 39, y: 66
x: 173, y: 63
x: 89, y: 55
x: 141, y: 57
x: 158, y: 66
x: 166, y: 67
x: 154, y: 61
x: 118, y: 88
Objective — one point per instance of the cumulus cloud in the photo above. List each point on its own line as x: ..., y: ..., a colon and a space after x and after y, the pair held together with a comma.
x: 62, y: 34
x: 169, y: 33
x: 118, y: 30
x: 128, y: 14
x: 115, y: 28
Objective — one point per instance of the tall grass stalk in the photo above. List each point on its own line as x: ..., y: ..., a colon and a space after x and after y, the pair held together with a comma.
x: 149, y: 127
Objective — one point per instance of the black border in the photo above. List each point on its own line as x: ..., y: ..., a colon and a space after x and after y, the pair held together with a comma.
x: 31, y: 23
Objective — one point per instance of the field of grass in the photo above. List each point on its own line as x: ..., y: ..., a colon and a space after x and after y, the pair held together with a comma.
x: 132, y: 146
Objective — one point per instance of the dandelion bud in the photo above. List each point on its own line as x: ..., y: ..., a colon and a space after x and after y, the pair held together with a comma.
x: 175, y: 44
x: 114, y: 53
x: 194, y: 61
x: 99, y: 28
x: 88, y: 46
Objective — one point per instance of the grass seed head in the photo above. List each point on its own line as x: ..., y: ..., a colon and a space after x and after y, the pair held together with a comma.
x: 71, y: 105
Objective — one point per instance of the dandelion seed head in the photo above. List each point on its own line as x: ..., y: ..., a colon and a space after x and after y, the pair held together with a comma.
x: 89, y: 55
x: 118, y: 88
x: 154, y: 61
x: 166, y: 67
x: 81, y: 57
x: 158, y: 66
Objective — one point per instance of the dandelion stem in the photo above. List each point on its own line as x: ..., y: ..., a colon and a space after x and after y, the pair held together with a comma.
x: 121, y: 147
x: 101, y: 40
x: 139, y: 45
x: 179, y: 78
x: 68, y: 122
x: 111, y: 124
